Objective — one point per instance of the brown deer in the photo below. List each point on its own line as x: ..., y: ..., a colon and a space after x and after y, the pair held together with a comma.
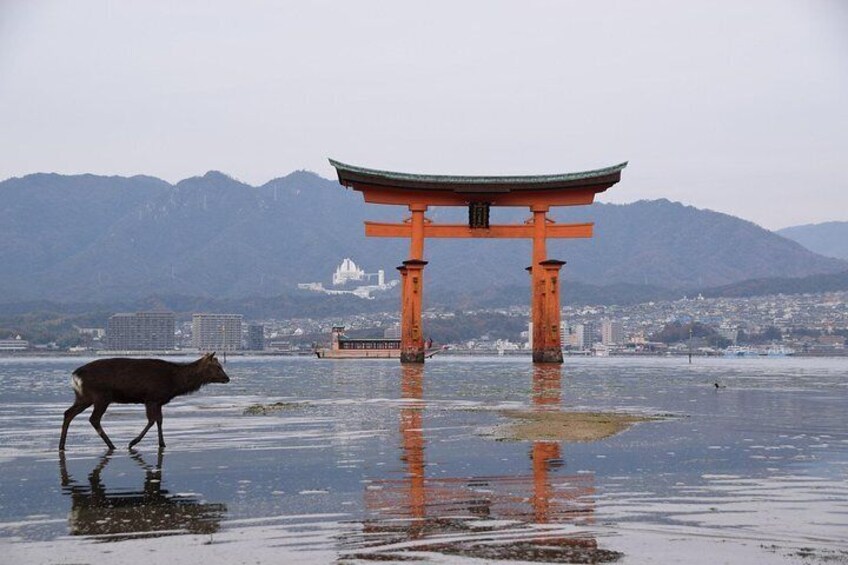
x: 152, y: 382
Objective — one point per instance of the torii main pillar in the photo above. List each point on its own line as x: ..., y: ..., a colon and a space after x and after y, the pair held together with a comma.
x: 411, y: 330
x: 545, y: 311
x: 539, y: 193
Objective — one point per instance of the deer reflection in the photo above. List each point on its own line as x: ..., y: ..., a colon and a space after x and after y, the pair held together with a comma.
x: 115, y: 515
x: 445, y: 514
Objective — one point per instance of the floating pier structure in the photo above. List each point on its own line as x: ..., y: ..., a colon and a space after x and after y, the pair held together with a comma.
x: 479, y: 193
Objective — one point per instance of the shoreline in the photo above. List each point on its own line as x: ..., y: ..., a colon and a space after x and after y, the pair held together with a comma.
x: 447, y: 353
x: 98, y: 354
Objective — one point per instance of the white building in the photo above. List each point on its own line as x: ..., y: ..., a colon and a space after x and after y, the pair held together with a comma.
x: 564, y: 335
x: 612, y: 332
x: 729, y: 333
x: 16, y: 344
x: 583, y: 336
x: 216, y: 332
x: 347, y: 271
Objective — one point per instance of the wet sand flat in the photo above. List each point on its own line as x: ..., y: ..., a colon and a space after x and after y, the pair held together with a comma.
x: 567, y: 426
x: 313, y: 461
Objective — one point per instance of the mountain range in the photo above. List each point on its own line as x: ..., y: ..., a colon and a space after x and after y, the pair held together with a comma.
x: 97, y: 239
x: 828, y: 238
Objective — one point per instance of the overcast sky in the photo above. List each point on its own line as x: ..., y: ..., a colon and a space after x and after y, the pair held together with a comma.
x: 741, y: 107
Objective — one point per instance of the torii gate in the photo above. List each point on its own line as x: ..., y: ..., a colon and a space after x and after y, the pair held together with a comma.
x: 479, y: 193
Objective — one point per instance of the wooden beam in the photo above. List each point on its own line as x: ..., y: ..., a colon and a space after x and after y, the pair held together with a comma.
x: 507, y: 231
x: 387, y: 195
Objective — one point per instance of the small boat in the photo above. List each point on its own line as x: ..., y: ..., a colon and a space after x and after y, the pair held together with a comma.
x: 772, y: 351
x: 343, y: 347
x: 779, y: 351
x: 737, y: 351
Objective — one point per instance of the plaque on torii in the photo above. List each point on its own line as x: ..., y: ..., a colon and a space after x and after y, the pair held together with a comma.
x: 479, y: 193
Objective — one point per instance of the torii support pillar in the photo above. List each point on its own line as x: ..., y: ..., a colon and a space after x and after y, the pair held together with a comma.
x: 545, y: 311
x: 411, y: 332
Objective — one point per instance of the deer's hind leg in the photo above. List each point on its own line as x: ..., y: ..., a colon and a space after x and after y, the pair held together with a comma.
x: 159, y: 425
x: 75, y: 410
x: 100, y: 409
x: 151, y: 419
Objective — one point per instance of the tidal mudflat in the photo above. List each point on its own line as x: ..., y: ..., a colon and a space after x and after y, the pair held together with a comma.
x: 321, y: 461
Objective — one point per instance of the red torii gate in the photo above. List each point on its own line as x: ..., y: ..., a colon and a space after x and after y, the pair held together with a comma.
x: 479, y: 193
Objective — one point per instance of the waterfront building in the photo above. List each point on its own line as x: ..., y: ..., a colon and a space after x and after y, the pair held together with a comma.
x: 93, y: 333
x: 216, y: 332
x: 256, y: 337
x: 570, y: 337
x: 16, y: 344
x: 835, y: 341
x: 392, y: 332
x: 612, y: 332
x: 638, y: 338
x: 566, y: 333
x: 530, y: 334
x: 280, y: 345
x: 140, y: 331
x: 575, y: 336
x: 583, y: 336
x: 731, y: 334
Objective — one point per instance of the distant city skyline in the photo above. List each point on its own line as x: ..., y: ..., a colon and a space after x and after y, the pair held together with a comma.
x: 734, y: 107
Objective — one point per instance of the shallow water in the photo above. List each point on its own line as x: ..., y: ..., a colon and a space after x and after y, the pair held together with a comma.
x: 371, y: 461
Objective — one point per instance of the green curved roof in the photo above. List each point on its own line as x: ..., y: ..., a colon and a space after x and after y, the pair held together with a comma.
x: 343, y: 168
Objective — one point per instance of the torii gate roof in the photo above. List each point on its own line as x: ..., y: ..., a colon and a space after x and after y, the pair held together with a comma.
x: 388, y: 187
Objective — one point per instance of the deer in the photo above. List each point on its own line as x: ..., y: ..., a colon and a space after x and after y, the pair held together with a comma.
x: 152, y: 382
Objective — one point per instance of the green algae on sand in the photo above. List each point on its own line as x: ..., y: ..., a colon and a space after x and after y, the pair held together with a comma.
x: 265, y: 409
x: 567, y: 426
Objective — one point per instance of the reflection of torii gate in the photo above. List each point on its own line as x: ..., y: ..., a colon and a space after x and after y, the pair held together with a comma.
x: 545, y: 455
x: 539, y: 193
x: 421, y: 513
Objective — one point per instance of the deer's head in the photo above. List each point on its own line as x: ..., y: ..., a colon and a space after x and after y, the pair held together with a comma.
x: 212, y: 369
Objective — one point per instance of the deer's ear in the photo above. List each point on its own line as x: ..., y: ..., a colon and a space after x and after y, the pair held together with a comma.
x: 212, y: 355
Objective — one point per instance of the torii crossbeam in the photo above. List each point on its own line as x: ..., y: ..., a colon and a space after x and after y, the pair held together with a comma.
x: 479, y: 193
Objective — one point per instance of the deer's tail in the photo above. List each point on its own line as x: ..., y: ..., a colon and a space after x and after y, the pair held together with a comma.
x: 76, y: 383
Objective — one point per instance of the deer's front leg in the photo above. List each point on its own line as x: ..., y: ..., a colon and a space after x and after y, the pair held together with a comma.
x: 96, y: 415
x: 151, y: 419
